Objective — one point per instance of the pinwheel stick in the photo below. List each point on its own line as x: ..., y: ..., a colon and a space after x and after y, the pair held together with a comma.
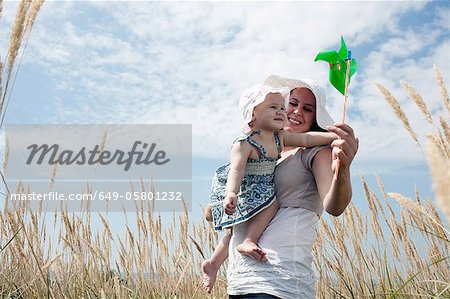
x: 349, y: 58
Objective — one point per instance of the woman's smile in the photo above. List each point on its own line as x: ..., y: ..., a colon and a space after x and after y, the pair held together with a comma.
x: 294, y: 121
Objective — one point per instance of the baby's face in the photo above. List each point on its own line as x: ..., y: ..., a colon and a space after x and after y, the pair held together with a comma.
x: 270, y: 114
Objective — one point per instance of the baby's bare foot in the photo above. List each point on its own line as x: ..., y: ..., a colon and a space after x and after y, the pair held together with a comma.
x: 209, y: 276
x: 253, y: 250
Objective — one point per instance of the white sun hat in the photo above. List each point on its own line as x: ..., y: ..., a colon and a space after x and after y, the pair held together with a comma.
x: 323, y: 118
x: 255, y: 95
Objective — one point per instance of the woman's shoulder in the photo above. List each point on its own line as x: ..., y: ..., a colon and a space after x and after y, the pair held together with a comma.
x: 306, y: 155
x: 315, y: 149
x: 305, y: 151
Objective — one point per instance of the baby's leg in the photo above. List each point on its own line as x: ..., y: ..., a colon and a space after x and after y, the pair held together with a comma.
x: 255, y: 228
x: 211, y: 267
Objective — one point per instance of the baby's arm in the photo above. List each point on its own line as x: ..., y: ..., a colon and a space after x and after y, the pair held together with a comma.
x: 308, y: 139
x: 239, y: 155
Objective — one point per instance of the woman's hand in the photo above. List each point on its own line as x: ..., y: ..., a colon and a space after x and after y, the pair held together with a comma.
x: 344, y: 148
x: 336, y: 193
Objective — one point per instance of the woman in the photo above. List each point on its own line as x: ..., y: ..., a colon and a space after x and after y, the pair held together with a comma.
x: 305, y: 186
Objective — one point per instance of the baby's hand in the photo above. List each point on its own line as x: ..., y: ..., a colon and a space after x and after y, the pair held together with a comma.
x: 229, y: 204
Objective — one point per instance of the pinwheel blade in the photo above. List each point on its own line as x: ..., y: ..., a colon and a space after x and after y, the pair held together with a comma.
x: 337, y: 80
x: 353, y: 67
x: 328, y: 56
x: 343, y: 50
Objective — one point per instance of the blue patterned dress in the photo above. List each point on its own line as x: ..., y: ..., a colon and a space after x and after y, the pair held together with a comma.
x: 257, y: 189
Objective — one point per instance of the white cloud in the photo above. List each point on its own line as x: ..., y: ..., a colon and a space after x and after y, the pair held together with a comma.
x: 386, y: 139
x: 148, y: 62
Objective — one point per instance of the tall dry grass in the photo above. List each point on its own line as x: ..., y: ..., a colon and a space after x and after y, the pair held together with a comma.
x: 389, y: 253
x: 27, y: 11
x: 355, y: 256
x: 79, y: 260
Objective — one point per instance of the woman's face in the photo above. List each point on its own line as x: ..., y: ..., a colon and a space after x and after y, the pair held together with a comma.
x: 301, y: 111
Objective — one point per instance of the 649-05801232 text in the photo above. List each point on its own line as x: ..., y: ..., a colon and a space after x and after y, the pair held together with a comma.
x: 98, y: 195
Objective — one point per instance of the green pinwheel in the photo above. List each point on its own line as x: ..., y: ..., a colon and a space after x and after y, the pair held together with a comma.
x: 338, y: 65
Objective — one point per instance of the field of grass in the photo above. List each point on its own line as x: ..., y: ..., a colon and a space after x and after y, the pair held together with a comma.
x: 355, y: 255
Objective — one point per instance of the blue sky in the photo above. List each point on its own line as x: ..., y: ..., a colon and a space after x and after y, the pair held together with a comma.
x: 152, y: 62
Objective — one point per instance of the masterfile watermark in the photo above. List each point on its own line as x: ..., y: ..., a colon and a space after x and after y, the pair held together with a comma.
x: 71, y: 163
x: 55, y: 155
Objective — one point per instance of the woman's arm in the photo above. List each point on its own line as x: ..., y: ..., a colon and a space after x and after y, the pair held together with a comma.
x: 336, y: 193
x: 239, y: 155
x: 308, y: 139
